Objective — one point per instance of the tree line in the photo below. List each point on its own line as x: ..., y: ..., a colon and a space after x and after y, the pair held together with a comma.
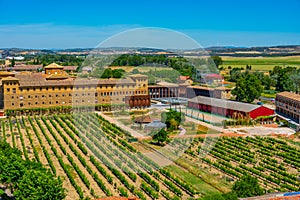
x: 250, y: 85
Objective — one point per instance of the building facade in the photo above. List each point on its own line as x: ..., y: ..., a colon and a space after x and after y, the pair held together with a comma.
x: 288, y: 105
x: 228, y: 108
x: 56, y: 88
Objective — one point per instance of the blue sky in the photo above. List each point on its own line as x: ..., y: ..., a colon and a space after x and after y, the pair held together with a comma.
x: 69, y: 24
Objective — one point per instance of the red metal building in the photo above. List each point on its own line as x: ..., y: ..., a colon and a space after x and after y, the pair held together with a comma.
x: 228, y: 108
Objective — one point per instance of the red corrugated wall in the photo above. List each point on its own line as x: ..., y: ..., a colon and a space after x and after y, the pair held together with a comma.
x: 261, y: 111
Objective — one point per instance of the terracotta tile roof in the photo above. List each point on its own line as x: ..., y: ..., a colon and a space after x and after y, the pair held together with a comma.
x: 183, y: 78
x: 71, y: 68
x: 27, y: 67
x: 213, y: 76
x: 54, y: 66
x: 57, y: 76
x: 143, y: 119
x: 10, y: 78
x: 289, y: 95
x: 39, y: 79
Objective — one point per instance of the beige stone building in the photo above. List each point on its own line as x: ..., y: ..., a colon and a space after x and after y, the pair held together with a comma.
x: 56, y: 88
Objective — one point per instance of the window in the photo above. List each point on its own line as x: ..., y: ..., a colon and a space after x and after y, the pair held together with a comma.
x: 56, y: 102
x: 7, y: 89
x: 36, y: 96
x: 29, y: 96
x: 36, y: 103
x: 12, y: 104
x: 41, y: 88
x: 70, y: 94
x: 21, y: 104
x: 96, y: 94
x: 56, y: 95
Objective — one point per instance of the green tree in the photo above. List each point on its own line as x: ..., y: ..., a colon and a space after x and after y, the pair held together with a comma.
x: 172, y: 119
x: 161, y: 136
x: 27, y: 179
x: 248, y: 87
x: 13, y: 62
x: 107, y: 73
x: 118, y: 73
x: 35, y: 184
x: 247, y: 186
x: 235, y: 73
x: 295, y: 77
x: 217, y: 60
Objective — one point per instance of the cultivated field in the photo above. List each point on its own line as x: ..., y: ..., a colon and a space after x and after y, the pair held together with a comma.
x: 95, y: 160
x: 275, y: 162
x: 261, y: 63
x: 93, y: 157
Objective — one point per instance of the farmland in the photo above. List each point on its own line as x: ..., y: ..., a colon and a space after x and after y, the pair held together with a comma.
x: 261, y: 63
x: 274, y: 162
x: 94, y: 159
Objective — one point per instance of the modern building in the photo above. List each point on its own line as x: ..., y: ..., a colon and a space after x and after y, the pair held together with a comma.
x: 218, y: 92
x: 228, y: 108
x: 288, y: 105
x: 163, y: 90
x: 56, y: 88
x: 185, y: 90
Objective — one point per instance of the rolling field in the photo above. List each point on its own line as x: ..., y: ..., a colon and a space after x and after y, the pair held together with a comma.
x: 261, y: 63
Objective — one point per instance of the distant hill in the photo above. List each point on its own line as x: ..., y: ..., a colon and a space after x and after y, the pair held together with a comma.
x: 288, y: 50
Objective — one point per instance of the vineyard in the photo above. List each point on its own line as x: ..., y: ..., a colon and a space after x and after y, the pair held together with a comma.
x: 95, y: 160
x: 274, y: 162
x: 93, y: 157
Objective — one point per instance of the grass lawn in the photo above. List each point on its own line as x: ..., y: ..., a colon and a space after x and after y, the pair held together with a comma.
x: 195, y: 181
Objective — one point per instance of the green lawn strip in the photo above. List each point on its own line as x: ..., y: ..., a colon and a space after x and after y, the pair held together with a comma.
x: 195, y: 181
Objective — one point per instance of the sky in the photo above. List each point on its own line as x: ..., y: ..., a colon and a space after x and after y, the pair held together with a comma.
x: 82, y: 24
